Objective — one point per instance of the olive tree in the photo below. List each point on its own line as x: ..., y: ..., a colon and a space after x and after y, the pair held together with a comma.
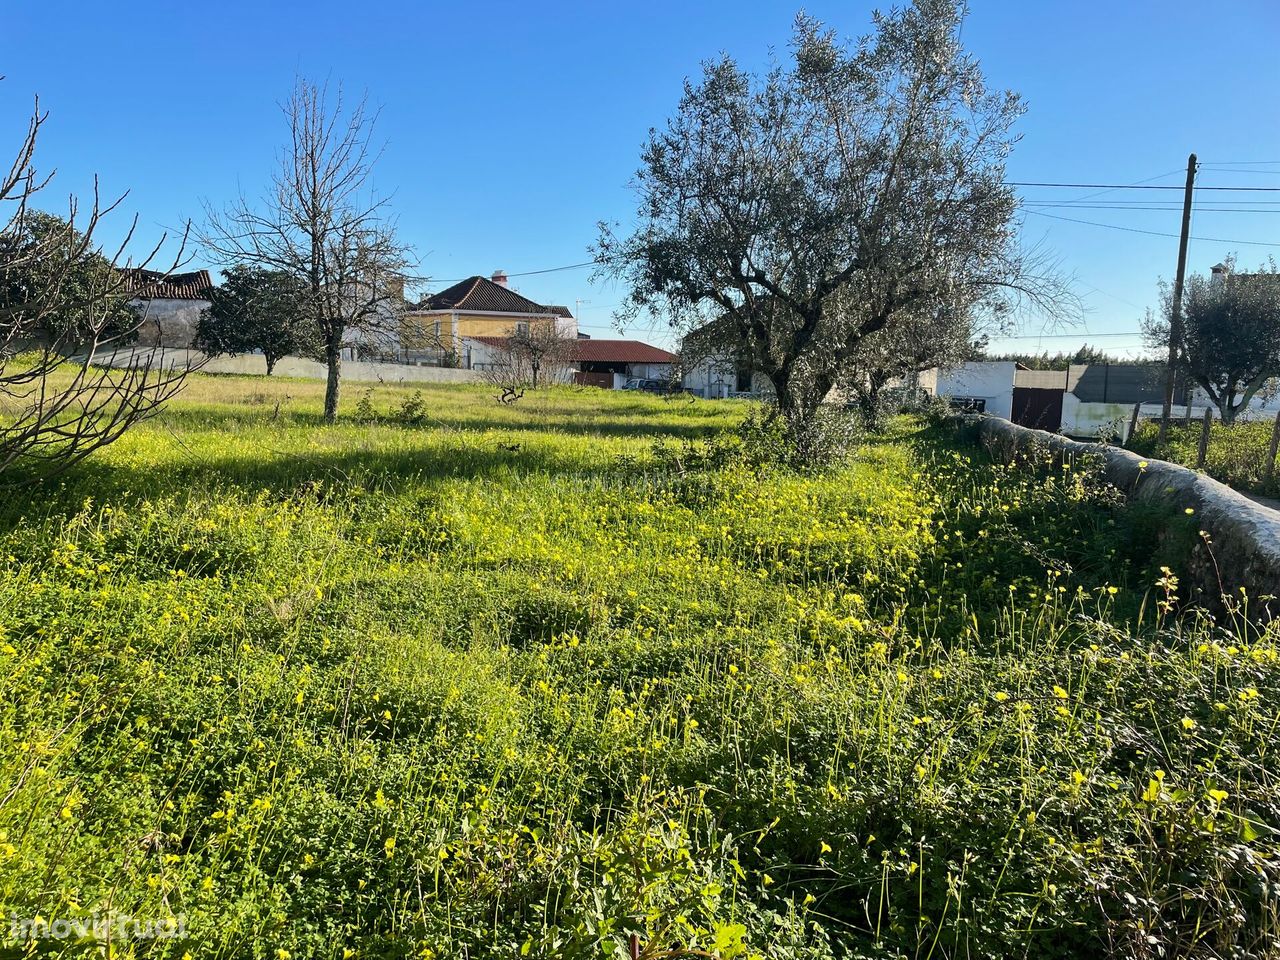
x: 919, y: 340
x: 804, y: 210
x: 1230, y: 344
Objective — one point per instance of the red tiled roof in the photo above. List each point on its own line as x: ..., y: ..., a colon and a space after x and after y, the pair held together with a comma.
x: 621, y: 351
x: 152, y: 285
x: 481, y: 293
x: 602, y: 351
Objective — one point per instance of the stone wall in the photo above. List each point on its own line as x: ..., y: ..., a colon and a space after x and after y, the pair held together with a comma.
x: 1243, y: 547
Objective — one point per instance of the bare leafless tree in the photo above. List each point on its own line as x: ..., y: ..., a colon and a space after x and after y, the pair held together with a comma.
x: 322, y: 222
x: 70, y: 383
x: 538, y: 354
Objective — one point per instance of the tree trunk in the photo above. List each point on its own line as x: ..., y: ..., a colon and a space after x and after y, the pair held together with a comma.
x: 333, y: 358
x: 271, y: 364
x: 868, y: 398
x: 798, y: 411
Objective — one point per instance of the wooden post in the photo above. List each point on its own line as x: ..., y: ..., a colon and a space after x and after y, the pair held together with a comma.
x: 1271, y: 451
x: 1175, y: 312
x: 635, y: 946
x: 1133, y: 423
x: 1204, y: 438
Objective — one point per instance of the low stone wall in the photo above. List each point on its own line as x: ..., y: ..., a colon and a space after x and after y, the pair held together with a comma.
x: 1244, y: 536
x: 354, y: 370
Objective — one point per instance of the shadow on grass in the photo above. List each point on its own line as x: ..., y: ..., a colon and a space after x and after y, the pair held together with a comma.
x: 285, y: 474
x: 286, y: 471
x: 569, y: 422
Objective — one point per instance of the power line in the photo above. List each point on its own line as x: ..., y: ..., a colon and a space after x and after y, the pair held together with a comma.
x: 1146, y: 204
x: 1165, y: 209
x: 526, y: 273
x: 1232, y: 170
x: 1151, y: 233
x: 1137, y: 186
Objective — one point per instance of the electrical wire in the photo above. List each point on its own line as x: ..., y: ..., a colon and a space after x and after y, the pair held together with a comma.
x: 1152, y: 233
x: 1138, y: 186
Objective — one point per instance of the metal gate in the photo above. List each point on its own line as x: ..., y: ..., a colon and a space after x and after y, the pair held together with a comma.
x: 587, y: 378
x: 1038, y: 407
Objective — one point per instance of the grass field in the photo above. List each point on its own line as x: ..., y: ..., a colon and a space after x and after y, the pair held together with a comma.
x: 467, y: 680
x: 1237, y: 455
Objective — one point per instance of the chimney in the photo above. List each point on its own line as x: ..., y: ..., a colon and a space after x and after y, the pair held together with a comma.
x: 499, y: 277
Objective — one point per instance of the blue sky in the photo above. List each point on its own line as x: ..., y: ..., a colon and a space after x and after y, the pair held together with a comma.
x: 512, y: 128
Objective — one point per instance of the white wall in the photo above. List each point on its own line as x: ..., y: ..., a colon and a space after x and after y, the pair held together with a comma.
x: 353, y: 370
x: 168, y: 323
x: 1260, y: 407
x: 1090, y: 420
x: 712, y: 378
x: 989, y: 380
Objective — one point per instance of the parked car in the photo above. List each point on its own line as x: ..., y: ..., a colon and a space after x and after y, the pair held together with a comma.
x: 651, y: 386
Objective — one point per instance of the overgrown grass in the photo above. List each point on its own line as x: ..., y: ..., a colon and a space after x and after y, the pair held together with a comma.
x: 527, y: 680
x: 1237, y: 455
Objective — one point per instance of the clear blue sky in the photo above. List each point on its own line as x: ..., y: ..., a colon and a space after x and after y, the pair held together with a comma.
x: 511, y: 128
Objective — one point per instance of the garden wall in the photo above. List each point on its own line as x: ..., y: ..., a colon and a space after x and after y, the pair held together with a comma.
x: 353, y: 370
x: 1243, y: 548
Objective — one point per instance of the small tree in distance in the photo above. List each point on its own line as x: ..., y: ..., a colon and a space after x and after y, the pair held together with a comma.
x: 538, y: 355
x: 922, y: 340
x: 41, y: 250
x: 258, y: 310
x: 1230, y: 334
x: 321, y: 222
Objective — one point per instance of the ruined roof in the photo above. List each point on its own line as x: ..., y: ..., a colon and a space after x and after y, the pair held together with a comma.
x: 154, y: 285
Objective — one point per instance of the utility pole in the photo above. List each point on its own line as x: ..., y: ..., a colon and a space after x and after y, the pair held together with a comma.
x: 1175, y: 313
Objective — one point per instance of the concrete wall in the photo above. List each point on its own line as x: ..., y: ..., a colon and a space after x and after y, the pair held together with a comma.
x: 713, y: 378
x: 989, y: 380
x: 716, y: 378
x: 1095, y: 420
x: 353, y: 370
x: 1244, y: 536
x: 1261, y: 407
x: 168, y: 323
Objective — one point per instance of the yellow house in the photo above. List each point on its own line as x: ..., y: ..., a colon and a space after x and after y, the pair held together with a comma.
x: 476, y: 307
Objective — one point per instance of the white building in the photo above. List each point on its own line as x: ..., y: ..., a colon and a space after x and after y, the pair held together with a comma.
x: 985, y: 386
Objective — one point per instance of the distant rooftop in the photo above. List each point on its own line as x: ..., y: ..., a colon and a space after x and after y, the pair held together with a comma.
x: 602, y: 351
x: 484, y: 295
